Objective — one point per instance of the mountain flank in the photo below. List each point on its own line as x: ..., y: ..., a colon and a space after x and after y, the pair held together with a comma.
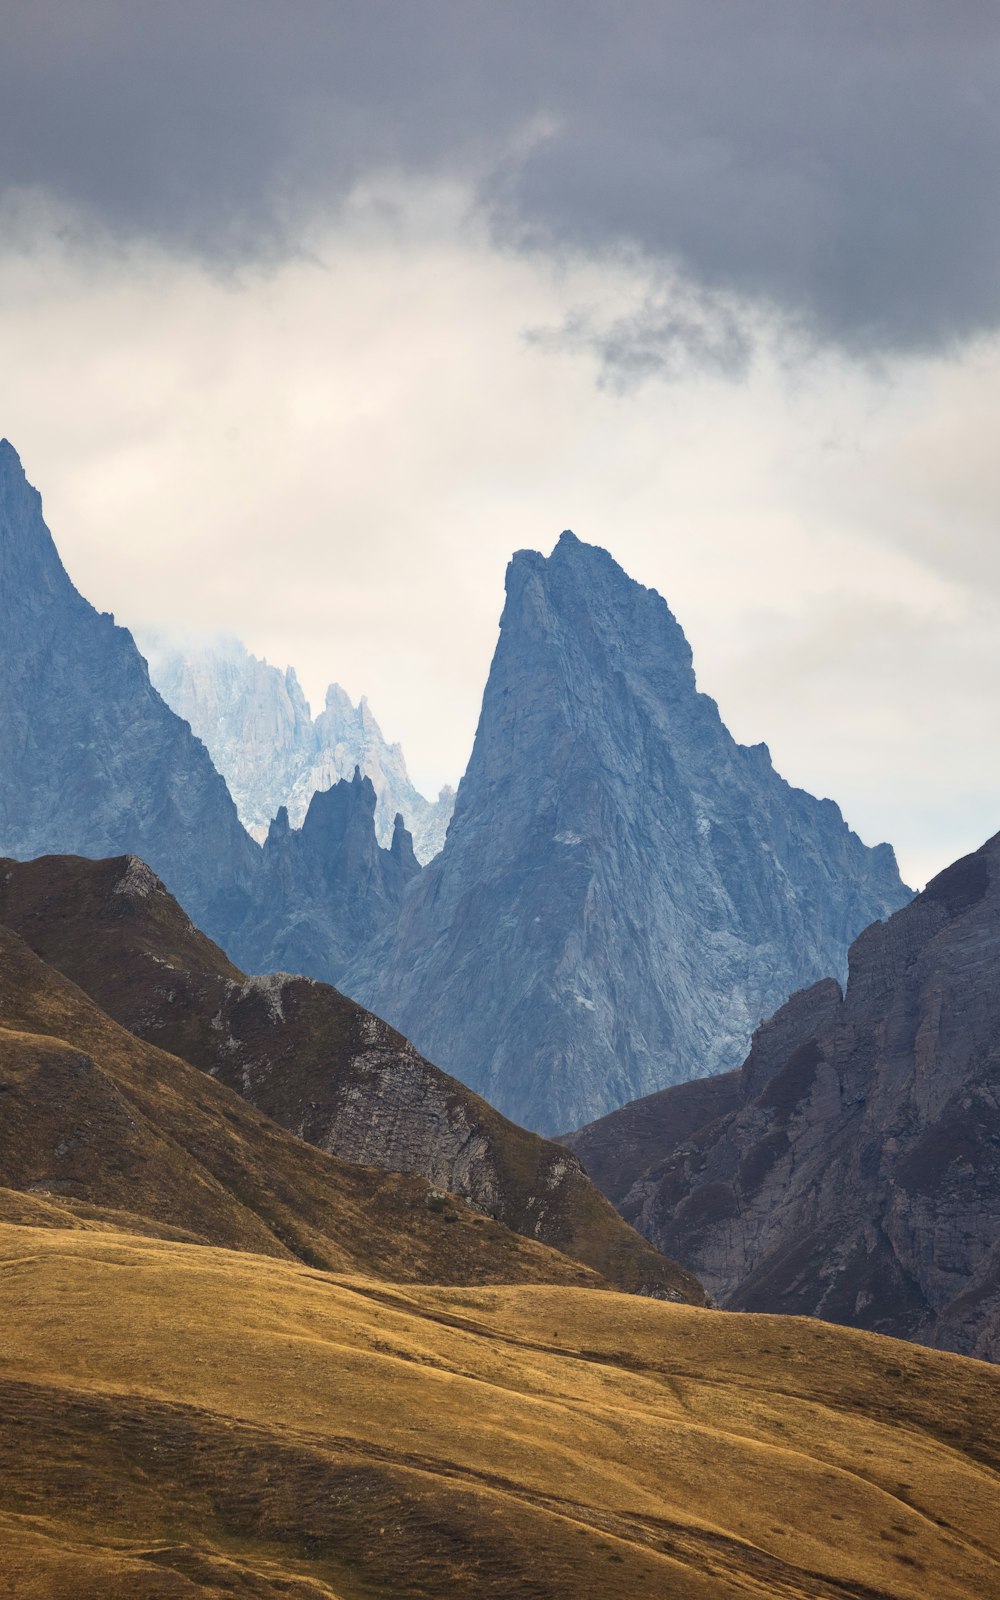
x: 101, y: 1129
x: 851, y: 1168
x: 312, y: 1060
x: 624, y: 890
x: 91, y: 760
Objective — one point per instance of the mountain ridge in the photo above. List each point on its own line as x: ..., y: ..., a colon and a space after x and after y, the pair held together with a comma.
x: 94, y: 762
x: 258, y: 728
x: 312, y: 1060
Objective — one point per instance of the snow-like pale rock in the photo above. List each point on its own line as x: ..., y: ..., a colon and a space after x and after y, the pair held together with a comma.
x: 256, y: 724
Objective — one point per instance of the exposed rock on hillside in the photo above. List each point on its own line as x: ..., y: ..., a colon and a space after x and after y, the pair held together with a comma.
x: 624, y: 891
x: 103, y: 1131
x: 313, y: 1060
x: 851, y: 1169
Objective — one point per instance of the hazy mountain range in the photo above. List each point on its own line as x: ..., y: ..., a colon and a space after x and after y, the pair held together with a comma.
x: 624, y: 891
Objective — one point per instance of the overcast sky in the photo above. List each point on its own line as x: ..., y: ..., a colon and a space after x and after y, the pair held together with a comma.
x: 312, y: 313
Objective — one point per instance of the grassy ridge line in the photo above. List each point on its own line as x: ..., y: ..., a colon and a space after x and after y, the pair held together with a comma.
x: 421, y: 1441
x: 98, y: 1124
x: 313, y: 1061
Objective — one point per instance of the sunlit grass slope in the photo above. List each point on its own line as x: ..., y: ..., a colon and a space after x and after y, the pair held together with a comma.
x: 185, y: 1421
x: 98, y: 1128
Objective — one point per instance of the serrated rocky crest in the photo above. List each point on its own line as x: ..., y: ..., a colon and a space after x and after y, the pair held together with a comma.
x: 624, y: 891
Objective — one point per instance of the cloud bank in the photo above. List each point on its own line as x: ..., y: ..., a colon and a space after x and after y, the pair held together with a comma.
x: 838, y: 164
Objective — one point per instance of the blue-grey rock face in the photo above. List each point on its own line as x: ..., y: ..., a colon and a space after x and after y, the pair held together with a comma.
x: 326, y: 888
x: 92, y: 762
x: 624, y: 891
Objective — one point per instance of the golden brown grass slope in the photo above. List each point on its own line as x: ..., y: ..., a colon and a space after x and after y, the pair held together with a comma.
x: 186, y: 1422
x: 312, y: 1060
x: 98, y: 1128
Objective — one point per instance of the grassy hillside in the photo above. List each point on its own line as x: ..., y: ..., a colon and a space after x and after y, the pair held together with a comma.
x: 98, y: 1126
x: 312, y: 1060
x: 190, y: 1422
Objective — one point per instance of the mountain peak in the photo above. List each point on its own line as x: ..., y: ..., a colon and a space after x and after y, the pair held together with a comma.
x: 634, y: 889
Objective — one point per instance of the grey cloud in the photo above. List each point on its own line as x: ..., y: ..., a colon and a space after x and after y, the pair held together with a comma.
x: 838, y: 163
x: 665, y: 336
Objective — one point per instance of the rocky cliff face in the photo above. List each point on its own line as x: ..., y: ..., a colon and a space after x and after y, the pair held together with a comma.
x: 326, y: 889
x: 854, y: 1173
x: 624, y: 891
x: 256, y: 725
x: 91, y: 759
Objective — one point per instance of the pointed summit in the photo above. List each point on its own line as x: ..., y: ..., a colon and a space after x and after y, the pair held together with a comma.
x: 624, y: 891
x: 31, y: 573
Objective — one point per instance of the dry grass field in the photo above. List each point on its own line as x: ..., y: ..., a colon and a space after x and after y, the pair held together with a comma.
x: 186, y: 1421
x: 233, y: 1367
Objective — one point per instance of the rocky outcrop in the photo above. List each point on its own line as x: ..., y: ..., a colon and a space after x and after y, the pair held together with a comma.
x: 326, y: 888
x: 256, y: 724
x: 853, y: 1170
x: 313, y: 1061
x: 624, y: 890
x: 101, y: 1130
x: 91, y: 759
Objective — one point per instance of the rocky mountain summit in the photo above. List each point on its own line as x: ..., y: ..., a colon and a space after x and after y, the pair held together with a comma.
x: 326, y: 889
x: 851, y: 1168
x: 91, y: 759
x: 313, y: 1061
x: 624, y: 891
x: 256, y: 724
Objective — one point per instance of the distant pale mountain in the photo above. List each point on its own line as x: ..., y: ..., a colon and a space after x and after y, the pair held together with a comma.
x: 851, y: 1169
x: 256, y: 724
x: 624, y: 891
